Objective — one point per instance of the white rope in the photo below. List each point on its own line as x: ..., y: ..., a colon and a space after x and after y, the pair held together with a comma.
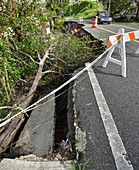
x: 54, y: 91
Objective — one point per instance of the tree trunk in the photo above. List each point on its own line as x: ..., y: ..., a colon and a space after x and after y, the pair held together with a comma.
x: 13, y: 127
x: 137, y: 15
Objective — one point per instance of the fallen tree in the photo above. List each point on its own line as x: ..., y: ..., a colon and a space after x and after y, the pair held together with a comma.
x: 63, y: 54
x: 30, y: 58
x: 10, y: 132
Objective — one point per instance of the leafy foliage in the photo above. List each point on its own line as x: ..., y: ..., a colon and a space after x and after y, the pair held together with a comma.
x: 76, y: 52
x: 23, y: 42
x: 120, y: 6
x: 58, y: 7
x: 86, y: 9
x: 21, y: 25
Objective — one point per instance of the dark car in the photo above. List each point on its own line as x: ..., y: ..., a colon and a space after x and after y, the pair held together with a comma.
x: 125, y: 17
x: 103, y: 18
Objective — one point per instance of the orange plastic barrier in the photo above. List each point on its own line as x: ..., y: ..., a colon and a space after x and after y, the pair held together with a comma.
x: 129, y: 36
x: 94, y: 23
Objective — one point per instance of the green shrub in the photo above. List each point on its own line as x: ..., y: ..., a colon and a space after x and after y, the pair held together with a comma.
x: 85, y: 9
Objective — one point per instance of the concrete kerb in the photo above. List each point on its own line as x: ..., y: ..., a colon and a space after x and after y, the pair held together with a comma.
x: 34, y: 138
x: 17, y: 164
x: 80, y: 136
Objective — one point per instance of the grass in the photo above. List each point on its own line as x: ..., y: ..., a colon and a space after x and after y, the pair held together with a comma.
x: 86, y: 9
x: 79, y: 166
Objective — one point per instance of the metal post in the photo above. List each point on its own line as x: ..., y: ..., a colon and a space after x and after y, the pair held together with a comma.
x: 109, y: 7
x: 70, y: 8
x: 123, y: 53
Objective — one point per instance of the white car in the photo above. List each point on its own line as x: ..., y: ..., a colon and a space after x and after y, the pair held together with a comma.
x: 102, y: 18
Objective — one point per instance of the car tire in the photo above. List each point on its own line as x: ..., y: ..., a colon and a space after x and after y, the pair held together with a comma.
x: 108, y: 22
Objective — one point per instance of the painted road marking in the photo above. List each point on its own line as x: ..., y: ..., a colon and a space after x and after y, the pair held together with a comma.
x: 118, y: 150
x: 107, y: 30
x: 136, y: 41
x: 114, y: 32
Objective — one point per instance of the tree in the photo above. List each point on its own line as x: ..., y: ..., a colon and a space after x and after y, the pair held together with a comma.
x: 22, y: 45
x: 27, y: 54
x: 57, y: 6
x: 21, y: 23
x: 119, y: 5
x: 137, y: 14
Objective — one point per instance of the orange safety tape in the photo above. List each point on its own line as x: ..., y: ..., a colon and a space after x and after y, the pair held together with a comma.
x: 132, y: 36
x: 109, y: 43
x: 118, y: 38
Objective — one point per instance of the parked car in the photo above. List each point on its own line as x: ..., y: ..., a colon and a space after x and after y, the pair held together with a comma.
x: 103, y: 18
x: 125, y: 17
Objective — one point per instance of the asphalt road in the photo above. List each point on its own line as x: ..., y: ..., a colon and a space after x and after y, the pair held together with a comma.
x: 122, y: 97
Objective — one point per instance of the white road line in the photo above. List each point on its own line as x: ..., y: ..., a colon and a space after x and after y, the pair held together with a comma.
x: 137, y: 52
x: 120, y: 155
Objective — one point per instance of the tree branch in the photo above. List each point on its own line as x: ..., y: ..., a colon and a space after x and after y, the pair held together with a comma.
x: 4, y: 85
x: 22, y: 51
x: 47, y: 52
x: 51, y: 71
x: 38, y: 55
x: 21, y: 59
x: 28, y: 56
x: 56, y: 57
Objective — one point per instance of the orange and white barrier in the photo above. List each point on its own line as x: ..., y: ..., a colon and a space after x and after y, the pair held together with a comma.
x: 115, y: 39
x: 94, y: 22
x: 119, y: 41
x: 81, y: 19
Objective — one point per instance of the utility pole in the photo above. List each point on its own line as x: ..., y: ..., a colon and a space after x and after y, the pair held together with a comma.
x: 70, y: 8
x: 97, y: 5
x: 109, y: 7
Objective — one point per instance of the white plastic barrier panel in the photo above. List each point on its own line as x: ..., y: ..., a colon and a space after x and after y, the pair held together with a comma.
x: 81, y: 19
x: 119, y: 41
x: 115, y: 39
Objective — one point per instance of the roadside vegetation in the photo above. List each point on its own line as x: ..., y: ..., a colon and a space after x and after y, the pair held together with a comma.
x: 86, y: 9
x: 31, y: 58
x: 25, y: 47
x: 121, y: 11
x: 24, y: 42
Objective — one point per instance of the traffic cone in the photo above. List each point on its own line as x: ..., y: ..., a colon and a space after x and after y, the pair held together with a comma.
x: 94, y: 23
